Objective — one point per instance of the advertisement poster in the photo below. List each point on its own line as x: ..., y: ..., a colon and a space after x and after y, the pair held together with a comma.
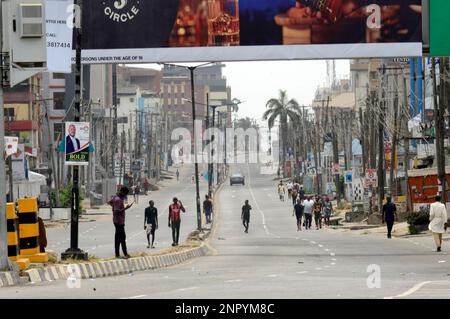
x: 11, y: 144
x: 118, y: 31
x: 19, y: 164
x: 77, y: 143
x: 59, y: 35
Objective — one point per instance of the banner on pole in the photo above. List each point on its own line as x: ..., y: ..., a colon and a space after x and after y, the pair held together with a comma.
x: 77, y: 143
x: 371, y: 178
x: 59, y: 35
x: 11, y: 144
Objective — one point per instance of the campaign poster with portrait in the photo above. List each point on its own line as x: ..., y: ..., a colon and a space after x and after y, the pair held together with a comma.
x: 77, y: 142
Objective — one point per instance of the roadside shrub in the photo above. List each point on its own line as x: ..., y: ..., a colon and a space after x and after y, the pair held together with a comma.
x: 419, y: 218
x: 418, y: 221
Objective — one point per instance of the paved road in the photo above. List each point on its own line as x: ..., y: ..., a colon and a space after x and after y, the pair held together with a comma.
x: 97, y: 238
x: 274, y: 260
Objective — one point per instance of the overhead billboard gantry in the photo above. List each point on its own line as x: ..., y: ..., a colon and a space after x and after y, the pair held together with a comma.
x: 136, y: 31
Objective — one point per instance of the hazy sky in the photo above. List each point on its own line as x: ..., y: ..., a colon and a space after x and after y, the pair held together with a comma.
x: 256, y: 82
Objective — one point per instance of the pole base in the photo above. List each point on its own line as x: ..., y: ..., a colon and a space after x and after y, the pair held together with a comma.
x: 75, y: 254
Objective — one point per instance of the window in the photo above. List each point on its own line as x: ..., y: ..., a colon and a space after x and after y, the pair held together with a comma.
x: 58, y: 100
x: 131, y: 99
x: 59, y: 76
x: 122, y: 120
x: 9, y: 113
x: 58, y: 132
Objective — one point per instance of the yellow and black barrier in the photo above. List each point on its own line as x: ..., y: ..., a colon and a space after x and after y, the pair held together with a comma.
x: 29, y: 230
x: 13, y: 239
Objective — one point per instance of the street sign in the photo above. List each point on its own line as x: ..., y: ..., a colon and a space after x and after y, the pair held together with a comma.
x: 348, y: 177
x: 371, y: 178
x: 136, y: 166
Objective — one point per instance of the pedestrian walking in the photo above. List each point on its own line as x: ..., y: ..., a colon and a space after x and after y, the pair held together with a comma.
x: 294, y: 196
x: 308, y: 210
x: 151, y: 223
x: 318, y: 213
x: 289, y: 189
x: 281, y: 191
x: 245, y: 216
x: 137, y: 190
x: 175, y: 210
x: 301, y: 193
x: 208, y: 209
x: 389, y: 215
x: 298, y: 211
x: 327, y: 211
x: 438, y: 221
x: 178, y: 174
x: 118, y: 209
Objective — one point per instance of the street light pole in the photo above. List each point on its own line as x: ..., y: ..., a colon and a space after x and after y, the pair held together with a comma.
x: 197, y: 186
x: 74, y: 252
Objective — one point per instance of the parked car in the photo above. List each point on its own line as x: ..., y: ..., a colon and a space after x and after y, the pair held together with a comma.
x: 237, y: 179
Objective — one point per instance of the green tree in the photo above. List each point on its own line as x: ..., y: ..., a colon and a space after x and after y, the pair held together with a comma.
x: 282, y: 109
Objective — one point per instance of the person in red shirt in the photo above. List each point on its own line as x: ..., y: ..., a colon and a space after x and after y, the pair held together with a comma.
x: 175, y: 219
x: 118, y: 208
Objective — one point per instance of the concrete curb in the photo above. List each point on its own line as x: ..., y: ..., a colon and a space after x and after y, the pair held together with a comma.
x: 103, y: 268
x: 9, y: 278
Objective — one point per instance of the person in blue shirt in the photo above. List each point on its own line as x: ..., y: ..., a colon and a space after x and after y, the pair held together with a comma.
x: 151, y: 223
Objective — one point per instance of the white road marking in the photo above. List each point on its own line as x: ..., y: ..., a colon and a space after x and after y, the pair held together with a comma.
x: 186, y: 289
x: 442, y: 261
x: 333, y: 259
x: 332, y: 254
x: 135, y: 297
x: 302, y: 272
x: 333, y: 264
x: 318, y: 268
x: 410, y: 291
x: 327, y: 250
x: 273, y: 276
x: 256, y: 204
x: 231, y: 281
x: 313, y: 242
x: 321, y: 246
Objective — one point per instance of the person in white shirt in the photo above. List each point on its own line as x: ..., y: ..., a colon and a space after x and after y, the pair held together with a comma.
x: 438, y: 221
x: 309, y: 205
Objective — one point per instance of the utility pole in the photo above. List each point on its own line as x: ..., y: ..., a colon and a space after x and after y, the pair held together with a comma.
x: 363, y: 139
x: 74, y: 252
x: 149, y: 144
x: 439, y: 110
x: 336, y: 156
x: 406, y: 144
x: 211, y: 154
x: 392, y: 182
x: 4, y: 260
x: 122, y: 163
x: 381, y: 172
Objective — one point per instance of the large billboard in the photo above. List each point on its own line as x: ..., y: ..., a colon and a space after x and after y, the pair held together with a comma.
x: 136, y: 31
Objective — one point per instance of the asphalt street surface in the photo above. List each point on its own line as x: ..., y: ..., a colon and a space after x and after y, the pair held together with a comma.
x: 274, y: 260
x: 96, y: 231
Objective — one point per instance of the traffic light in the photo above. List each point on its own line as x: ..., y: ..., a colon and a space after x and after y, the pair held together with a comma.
x: 24, y: 39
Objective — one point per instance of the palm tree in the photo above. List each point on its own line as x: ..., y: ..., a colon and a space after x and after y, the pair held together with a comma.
x: 282, y: 109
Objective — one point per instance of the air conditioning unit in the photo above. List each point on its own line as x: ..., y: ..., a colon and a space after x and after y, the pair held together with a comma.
x: 31, y: 19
